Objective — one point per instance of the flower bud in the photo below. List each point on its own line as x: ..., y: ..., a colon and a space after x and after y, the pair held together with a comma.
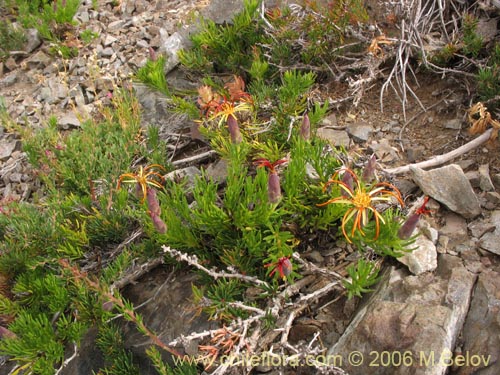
x: 153, y: 204
x: 369, y: 170
x: 305, y: 128
x: 273, y: 188
x: 108, y: 306
x: 159, y: 225
x: 152, y: 54
x: 286, y: 267
x: 6, y: 333
x: 234, y: 130
x: 408, y: 227
x: 348, y: 181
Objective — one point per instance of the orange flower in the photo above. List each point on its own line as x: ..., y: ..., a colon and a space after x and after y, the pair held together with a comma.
x: 361, y: 198
x: 144, y: 177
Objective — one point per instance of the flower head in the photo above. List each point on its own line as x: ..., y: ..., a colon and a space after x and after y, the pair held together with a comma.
x: 361, y: 199
x: 145, y: 177
x: 282, y: 265
x: 266, y: 163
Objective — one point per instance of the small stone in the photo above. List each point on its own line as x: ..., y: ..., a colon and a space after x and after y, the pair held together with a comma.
x: 217, y: 171
x: 465, y: 163
x: 330, y: 120
x: 142, y: 44
x: 10, y: 63
x: 83, y: 16
x: 314, y: 256
x: 360, y: 131
x: 109, y: 40
x: 473, y: 177
x: 171, y: 45
x: 455, y: 124
x: 9, y: 79
x: 479, y: 227
x: 414, y: 154
x: 423, y: 258
x: 39, y: 60
x: 337, y: 138
x: 7, y: 148
x: 496, y: 179
x: 188, y: 174
x: 431, y: 233
x: 33, y: 40
x: 406, y: 187
x: 107, y: 52
x: 384, y: 151
x: 493, y: 197
x: 485, y: 182
x: 68, y: 121
x: 490, y: 242
x: 15, y: 177
x: 116, y: 25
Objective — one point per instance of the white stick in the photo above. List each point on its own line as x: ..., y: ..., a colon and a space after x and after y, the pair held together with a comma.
x: 441, y: 159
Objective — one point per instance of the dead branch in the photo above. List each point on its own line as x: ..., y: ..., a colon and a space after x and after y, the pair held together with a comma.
x: 193, y: 261
x: 202, y: 156
x: 441, y: 159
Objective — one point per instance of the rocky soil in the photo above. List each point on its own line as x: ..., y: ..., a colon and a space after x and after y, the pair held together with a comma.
x: 438, y: 305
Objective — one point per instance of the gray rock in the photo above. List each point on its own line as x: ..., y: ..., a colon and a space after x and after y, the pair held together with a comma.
x: 222, y: 11
x: 11, y: 63
x: 481, y: 333
x: 155, y: 111
x: 493, y: 197
x: 83, y: 16
x: 384, y: 151
x: 455, y: 229
x: 337, y: 138
x: 419, y: 315
x: 455, y: 124
x: 217, y: 171
x: 330, y: 120
x: 9, y: 79
x: 473, y: 177
x: 170, y: 46
x: 107, y: 52
x: 414, y: 154
x: 428, y: 231
x: 485, y: 182
x: 487, y: 28
x: 465, y: 163
x: 109, y: 40
x: 68, y: 120
x: 45, y: 95
x: 490, y: 242
x: 479, y: 227
x: 116, y: 25
x: 406, y: 187
x: 496, y: 179
x: 58, y: 90
x: 33, y: 40
x: 360, y: 131
x: 7, y: 147
x: 39, y: 60
x: 187, y: 175
x: 449, y: 186
x: 423, y: 258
